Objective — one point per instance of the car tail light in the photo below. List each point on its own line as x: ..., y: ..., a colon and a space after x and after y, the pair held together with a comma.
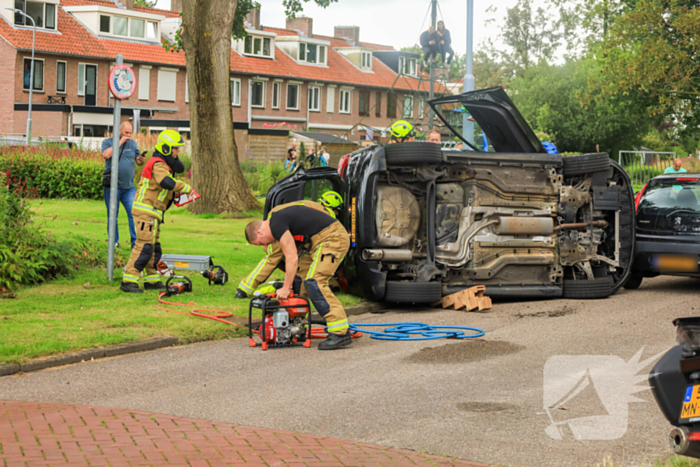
x: 638, y: 197
x: 688, y: 180
x: 343, y: 164
x: 693, y: 436
x: 688, y: 333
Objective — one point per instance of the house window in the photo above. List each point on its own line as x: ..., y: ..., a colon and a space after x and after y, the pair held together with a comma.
x: 345, y: 101
x: 61, y: 77
x: 257, y: 94
x: 367, y: 60
x: 378, y: 108
x: 187, y: 89
x: 43, y: 14
x: 259, y: 46
x: 312, y: 53
x: 151, y: 30
x: 137, y: 28
x: 38, y: 74
x: 276, y: 90
x: 81, y: 79
x: 292, y: 96
x: 120, y: 25
x: 407, y: 66
x: 330, y: 100
x: 421, y: 110
x: 314, y: 99
x: 391, y: 105
x: 235, y: 91
x: 167, y: 83
x: 364, y: 103
x: 408, y: 107
x: 144, y: 83
x: 104, y: 23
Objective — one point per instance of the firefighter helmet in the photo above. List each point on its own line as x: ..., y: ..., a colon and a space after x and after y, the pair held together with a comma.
x: 331, y: 199
x: 401, y: 130
x: 167, y: 140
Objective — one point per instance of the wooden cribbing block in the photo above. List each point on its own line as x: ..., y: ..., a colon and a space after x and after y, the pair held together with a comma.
x: 471, y: 299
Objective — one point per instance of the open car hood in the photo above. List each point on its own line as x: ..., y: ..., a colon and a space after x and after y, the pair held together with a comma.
x: 497, y: 116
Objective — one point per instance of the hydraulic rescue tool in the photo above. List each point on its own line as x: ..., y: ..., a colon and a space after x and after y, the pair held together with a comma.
x: 285, y: 323
x: 217, y: 275
x: 176, y: 288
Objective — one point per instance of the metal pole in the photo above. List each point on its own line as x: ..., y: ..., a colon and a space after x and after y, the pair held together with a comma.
x: 113, y: 189
x: 433, y: 21
x: 468, y: 125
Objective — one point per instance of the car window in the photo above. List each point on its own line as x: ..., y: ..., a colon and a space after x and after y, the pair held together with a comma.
x: 314, y: 189
x: 672, y: 194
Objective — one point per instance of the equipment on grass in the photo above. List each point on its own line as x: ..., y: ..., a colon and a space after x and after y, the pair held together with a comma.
x: 216, y: 274
x: 176, y: 288
x: 191, y: 262
x: 285, y: 323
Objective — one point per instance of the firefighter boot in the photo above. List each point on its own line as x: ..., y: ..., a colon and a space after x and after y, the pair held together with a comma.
x: 130, y: 287
x: 153, y: 286
x: 335, y: 341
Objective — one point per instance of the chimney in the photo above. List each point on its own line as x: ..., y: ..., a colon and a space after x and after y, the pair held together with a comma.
x: 176, y: 5
x: 302, y: 24
x: 129, y: 4
x: 349, y: 33
x: 253, y: 18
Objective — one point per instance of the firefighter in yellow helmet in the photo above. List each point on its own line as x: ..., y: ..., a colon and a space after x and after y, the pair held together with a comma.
x: 402, y: 132
x: 330, y: 202
x: 154, y: 195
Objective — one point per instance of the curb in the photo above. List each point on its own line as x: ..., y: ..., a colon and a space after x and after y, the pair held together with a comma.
x: 90, y: 354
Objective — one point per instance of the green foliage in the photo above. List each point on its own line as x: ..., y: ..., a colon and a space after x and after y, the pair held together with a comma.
x: 146, y: 3
x: 292, y: 7
x: 242, y: 9
x: 28, y: 255
x: 53, y: 172
x: 550, y: 99
x: 261, y: 177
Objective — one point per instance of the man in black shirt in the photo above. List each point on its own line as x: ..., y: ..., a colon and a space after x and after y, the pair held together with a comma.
x: 329, y: 245
x: 444, y: 41
x: 429, y: 44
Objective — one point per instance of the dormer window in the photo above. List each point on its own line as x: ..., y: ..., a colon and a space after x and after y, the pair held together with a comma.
x: 312, y: 53
x: 408, y: 66
x: 128, y: 27
x: 43, y: 14
x: 258, y: 46
x: 366, y: 60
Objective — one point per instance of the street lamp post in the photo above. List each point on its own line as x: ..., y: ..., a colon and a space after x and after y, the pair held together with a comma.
x: 31, y: 74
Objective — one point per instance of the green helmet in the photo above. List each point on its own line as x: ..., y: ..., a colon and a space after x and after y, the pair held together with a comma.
x: 401, y: 130
x: 167, y: 140
x: 331, y: 199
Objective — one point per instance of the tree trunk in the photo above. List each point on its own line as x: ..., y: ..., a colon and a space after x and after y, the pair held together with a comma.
x: 216, y: 172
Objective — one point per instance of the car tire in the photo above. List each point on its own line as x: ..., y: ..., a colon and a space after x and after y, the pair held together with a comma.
x: 588, y: 289
x: 634, y: 280
x: 412, y: 292
x: 585, y: 164
x: 412, y: 154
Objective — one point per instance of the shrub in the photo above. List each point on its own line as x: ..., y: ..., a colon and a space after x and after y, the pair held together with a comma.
x: 54, y: 172
x: 28, y: 255
x: 261, y: 177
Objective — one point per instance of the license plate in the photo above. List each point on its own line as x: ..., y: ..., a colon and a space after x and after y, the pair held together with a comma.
x: 675, y: 263
x: 690, y: 412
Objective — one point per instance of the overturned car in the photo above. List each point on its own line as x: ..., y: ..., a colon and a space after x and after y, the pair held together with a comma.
x: 426, y: 222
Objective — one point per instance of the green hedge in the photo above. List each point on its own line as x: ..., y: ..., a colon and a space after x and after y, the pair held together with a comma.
x: 53, y: 172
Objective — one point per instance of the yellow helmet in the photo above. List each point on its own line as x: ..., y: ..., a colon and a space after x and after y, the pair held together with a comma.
x: 167, y: 140
x: 401, y: 129
x: 331, y: 199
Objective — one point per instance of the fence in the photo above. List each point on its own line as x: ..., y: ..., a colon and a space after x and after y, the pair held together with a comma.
x: 642, y: 166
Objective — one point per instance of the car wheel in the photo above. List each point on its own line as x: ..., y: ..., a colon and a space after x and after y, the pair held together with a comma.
x: 634, y: 280
x: 413, y: 292
x: 585, y: 164
x: 403, y: 154
x: 591, y: 288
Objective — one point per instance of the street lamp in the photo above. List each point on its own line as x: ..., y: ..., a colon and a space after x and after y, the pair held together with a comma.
x: 31, y: 74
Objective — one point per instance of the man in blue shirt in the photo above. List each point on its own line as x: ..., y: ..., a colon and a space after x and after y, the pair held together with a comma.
x: 675, y: 168
x: 128, y: 156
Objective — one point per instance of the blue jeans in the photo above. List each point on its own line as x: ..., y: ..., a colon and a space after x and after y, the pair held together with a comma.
x: 126, y: 197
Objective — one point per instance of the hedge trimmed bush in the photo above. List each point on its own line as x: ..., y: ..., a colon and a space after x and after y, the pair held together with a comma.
x: 53, y: 172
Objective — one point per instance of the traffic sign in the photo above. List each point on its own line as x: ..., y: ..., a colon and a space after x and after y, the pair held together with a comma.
x: 122, y: 81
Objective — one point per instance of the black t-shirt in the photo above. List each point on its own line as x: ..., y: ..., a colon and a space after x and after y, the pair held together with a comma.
x: 299, y: 220
x: 289, y: 154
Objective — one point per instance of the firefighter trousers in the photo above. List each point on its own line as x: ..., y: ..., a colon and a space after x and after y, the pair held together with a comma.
x: 147, y: 251
x: 328, y: 248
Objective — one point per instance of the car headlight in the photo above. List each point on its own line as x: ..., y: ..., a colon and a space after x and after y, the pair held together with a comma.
x: 688, y: 333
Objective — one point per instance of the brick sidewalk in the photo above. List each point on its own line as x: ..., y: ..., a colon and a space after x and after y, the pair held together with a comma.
x: 34, y: 434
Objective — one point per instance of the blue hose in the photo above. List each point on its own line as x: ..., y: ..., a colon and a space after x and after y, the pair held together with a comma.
x: 404, y: 331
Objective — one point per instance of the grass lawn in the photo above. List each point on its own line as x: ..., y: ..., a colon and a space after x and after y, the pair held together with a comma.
x: 69, y: 314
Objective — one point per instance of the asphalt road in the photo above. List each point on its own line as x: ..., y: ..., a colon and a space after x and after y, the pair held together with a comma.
x: 476, y: 400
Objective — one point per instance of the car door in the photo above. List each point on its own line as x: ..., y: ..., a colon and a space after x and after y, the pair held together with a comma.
x: 308, y: 184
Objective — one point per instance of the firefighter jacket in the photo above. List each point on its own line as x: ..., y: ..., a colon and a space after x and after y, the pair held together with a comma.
x: 157, y: 187
x: 273, y: 253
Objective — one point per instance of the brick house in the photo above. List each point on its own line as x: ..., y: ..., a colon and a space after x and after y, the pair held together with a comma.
x: 287, y: 76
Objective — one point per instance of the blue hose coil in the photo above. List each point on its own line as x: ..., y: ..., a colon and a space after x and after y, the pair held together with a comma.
x: 424, y: 332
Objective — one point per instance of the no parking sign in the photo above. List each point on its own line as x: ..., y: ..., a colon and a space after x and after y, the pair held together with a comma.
x: 122, y: 81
